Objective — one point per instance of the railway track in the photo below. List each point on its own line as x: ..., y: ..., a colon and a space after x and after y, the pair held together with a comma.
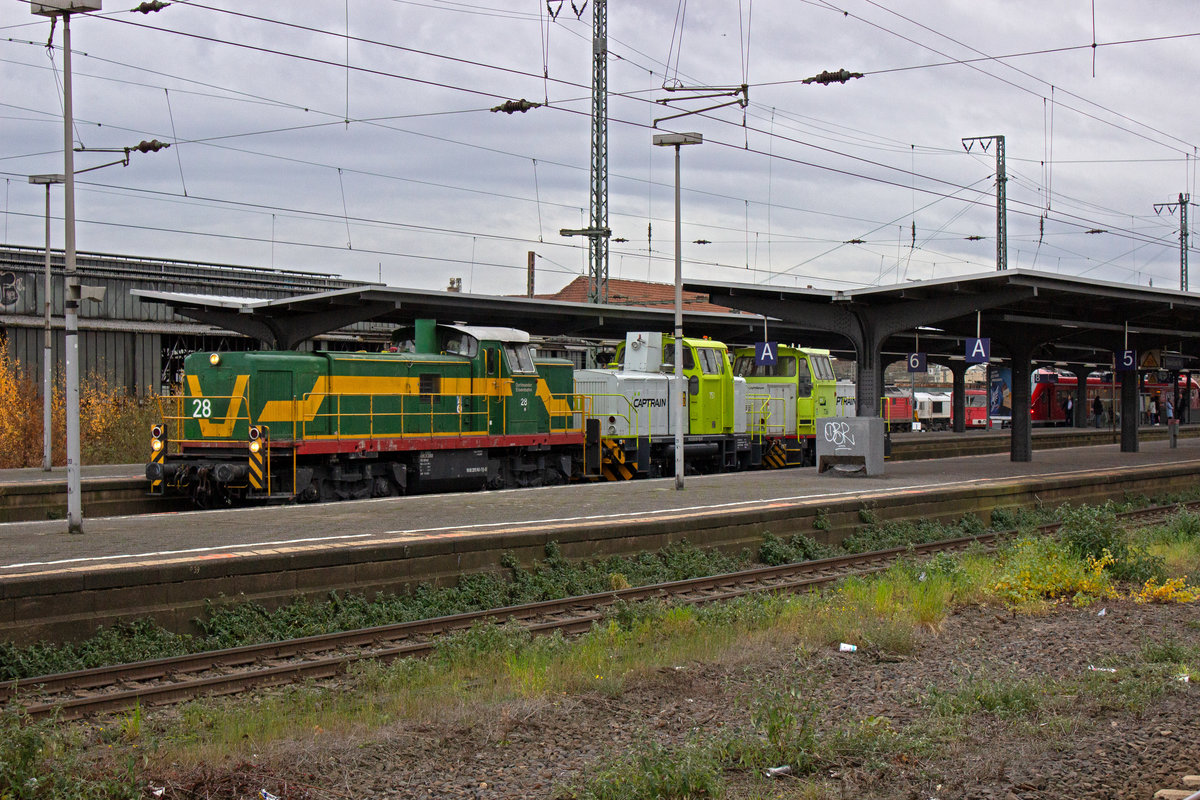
x: 73, y: 695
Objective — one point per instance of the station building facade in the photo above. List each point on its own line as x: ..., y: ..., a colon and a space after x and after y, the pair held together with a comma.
x: 135, y: 345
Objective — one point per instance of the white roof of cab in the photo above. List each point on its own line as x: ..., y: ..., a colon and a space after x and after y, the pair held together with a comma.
x: 490, y: 333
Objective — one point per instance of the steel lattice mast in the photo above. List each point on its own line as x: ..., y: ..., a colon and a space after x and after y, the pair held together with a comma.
x: 1001, y: 198
x: 598, y: 221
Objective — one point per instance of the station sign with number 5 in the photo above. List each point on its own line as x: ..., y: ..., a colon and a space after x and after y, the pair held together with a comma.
x: 1127, y: 361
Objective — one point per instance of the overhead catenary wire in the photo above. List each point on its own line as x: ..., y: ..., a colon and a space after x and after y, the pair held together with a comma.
x: 867, y: 177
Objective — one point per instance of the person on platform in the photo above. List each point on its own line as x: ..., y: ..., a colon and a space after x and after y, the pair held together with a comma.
x: 1170, y: 409
x: 1154, y: 410
x: 1097, y: 410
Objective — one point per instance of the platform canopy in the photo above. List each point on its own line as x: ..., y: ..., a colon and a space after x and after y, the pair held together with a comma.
x: 286, y: 322
x: 1067, y: 319
x: 1027, y: 318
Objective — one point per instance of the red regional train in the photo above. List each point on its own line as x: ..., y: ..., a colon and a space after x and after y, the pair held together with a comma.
x: 977, y: 408
x: 1047, y: 404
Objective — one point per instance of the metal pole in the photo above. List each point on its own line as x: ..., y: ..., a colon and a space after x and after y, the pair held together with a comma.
x: 1183, y: 242
x: 47, y: 360
x: 1001, y: 208
x: 679, y: 383
x: 71, y: 298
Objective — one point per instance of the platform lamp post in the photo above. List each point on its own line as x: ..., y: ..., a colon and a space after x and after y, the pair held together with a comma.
x: 677, y: 140
x: 47, y: 360
x: 64, y: 9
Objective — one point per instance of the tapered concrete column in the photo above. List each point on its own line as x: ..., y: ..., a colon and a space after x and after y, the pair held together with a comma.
x: 1129, y: 412
x: 959, y: 395
x: 1021, y: 448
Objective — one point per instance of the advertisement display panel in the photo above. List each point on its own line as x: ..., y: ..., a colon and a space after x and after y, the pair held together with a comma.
x: 1000, y: 395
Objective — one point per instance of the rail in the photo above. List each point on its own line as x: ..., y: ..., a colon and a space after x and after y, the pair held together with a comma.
x: 175, y: 679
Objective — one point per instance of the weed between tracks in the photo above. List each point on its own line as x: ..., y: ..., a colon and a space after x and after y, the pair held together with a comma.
x: 486, y: 673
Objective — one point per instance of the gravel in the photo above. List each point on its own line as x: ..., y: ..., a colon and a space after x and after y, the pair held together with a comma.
x: 543, y: 748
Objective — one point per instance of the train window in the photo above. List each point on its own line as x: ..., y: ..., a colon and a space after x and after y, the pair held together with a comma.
x: 520, y: 360
x: 689, y: 361
x: 712, y: 361
x: 784, y: 367
x: 804, y: 382
x: 822, y: 368
x: 461, y: 346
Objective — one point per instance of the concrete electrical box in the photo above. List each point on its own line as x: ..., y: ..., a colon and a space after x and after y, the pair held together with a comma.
x: 850, y: 445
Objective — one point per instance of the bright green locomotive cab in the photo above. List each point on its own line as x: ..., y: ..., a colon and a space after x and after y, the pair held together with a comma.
x: 709, y: 378
x: 808, y: 370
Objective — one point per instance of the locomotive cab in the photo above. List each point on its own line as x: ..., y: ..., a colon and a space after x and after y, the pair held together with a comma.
x: 786, y: 398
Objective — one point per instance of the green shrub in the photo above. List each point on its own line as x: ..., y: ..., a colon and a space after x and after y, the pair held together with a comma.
x: 1092, y: 531
x: 774, y: 551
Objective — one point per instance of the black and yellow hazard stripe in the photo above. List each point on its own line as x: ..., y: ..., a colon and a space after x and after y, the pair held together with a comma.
x: 615, y: 466
x: 776, y: 456
x: 158, y: 456
x: 258, y: 469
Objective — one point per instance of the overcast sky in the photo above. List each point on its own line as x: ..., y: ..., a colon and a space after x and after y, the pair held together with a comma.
x: 376, y: 157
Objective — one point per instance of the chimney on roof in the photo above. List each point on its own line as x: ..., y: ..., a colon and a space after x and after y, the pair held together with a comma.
x: 455, y: 285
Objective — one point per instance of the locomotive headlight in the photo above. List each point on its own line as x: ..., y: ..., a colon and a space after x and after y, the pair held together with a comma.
x: 156, y: 431
x: 255, y: 446
x: 214, y: 359
x: 255, y: 433
x: 156, y: 445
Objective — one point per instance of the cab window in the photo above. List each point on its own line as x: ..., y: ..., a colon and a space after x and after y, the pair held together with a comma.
x: 689, y: 361
x: 804, y: 380
x: 712, y: 361
x: 823, y: 368
x: 461, y: 345
x: 784, y: 367
x: 520, y: 359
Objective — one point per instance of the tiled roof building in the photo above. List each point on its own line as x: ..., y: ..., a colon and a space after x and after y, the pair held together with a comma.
x: 623, y: 292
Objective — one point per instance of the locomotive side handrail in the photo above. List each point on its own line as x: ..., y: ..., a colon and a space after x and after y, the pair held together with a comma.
x: 632, y: 418
x: 463, y: 421
x: 176, y: 423
x: 759, y: 422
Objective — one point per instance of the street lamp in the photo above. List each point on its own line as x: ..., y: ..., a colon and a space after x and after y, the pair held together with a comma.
x: 677, y: 140
x: 47, y: 361
x: 64, y: 8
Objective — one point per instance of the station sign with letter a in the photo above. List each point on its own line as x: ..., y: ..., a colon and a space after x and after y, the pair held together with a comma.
x: 764, y: 353
x: 916, y: 362
x: 979, y: 351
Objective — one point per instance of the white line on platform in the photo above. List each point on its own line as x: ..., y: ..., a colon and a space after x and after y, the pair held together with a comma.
x: 244, y: 545
x: 762, y: 501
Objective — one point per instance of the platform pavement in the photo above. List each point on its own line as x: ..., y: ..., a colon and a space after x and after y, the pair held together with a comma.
x: 30, y: 548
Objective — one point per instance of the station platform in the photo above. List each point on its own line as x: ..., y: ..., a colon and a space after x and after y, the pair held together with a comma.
x: 167, y: 565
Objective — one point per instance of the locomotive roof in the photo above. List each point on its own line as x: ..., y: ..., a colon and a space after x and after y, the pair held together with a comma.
x: 490, y: 333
